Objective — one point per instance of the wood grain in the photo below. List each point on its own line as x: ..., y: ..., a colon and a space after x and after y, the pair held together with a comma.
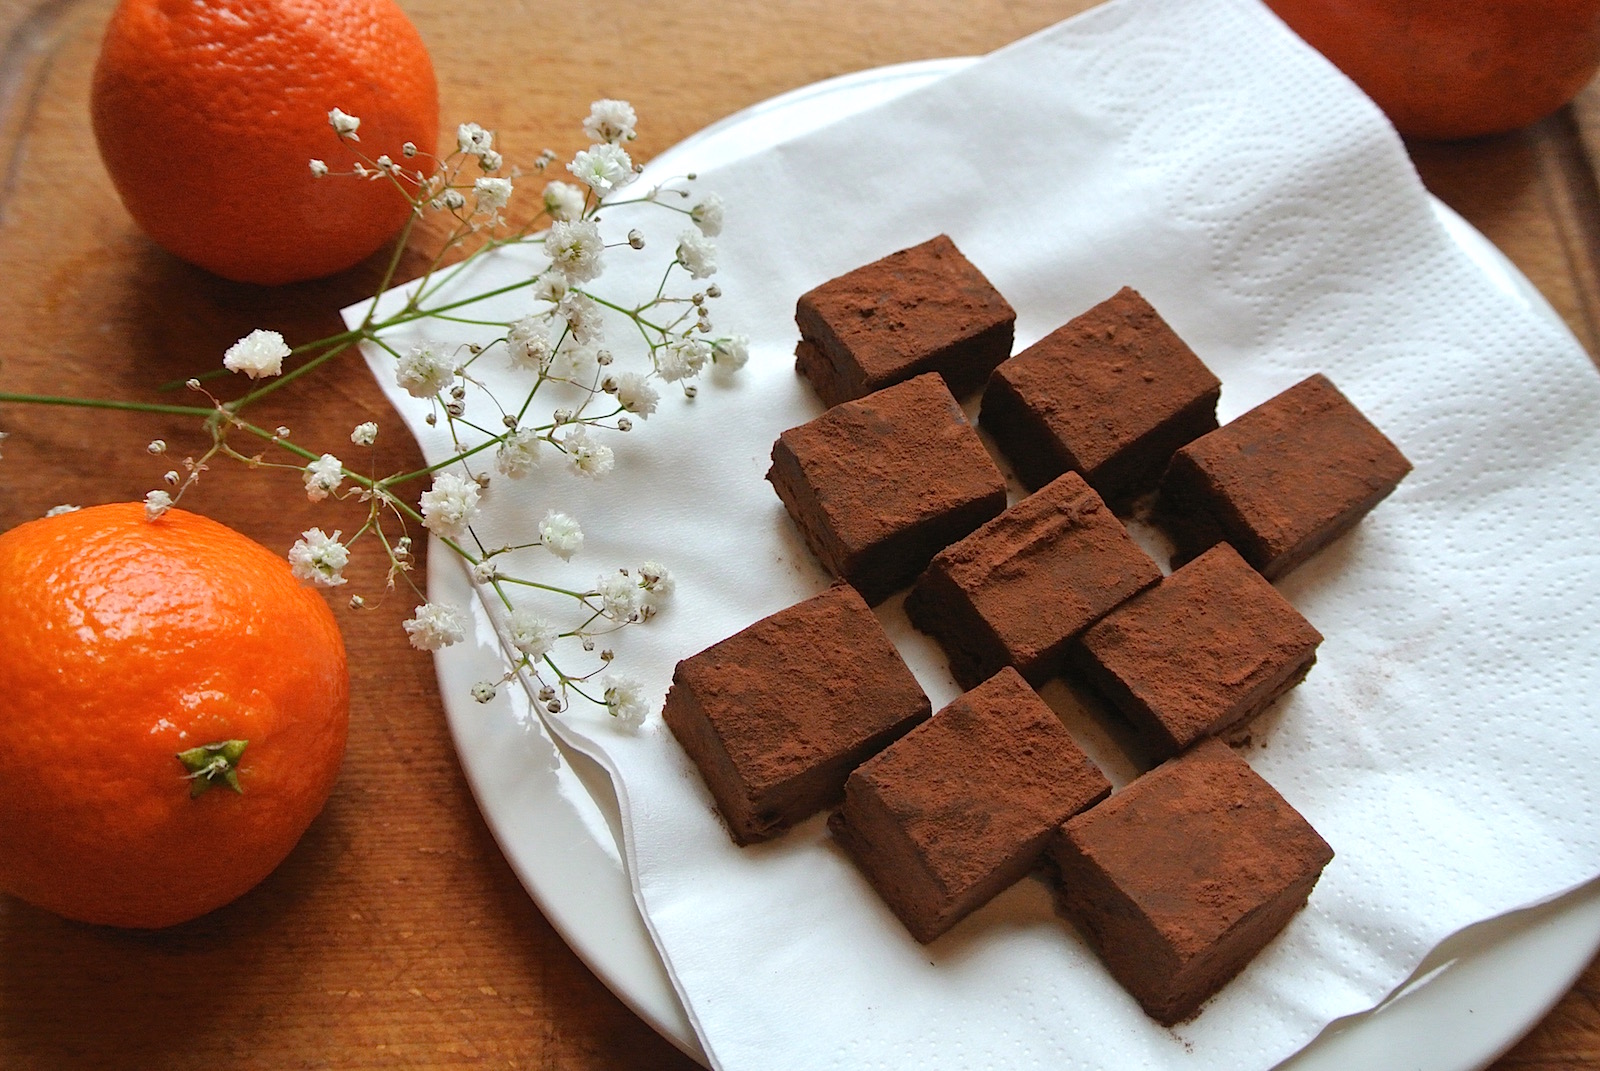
x: 395, y: 935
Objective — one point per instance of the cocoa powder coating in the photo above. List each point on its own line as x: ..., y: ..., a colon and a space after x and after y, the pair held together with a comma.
x: 1281, y: 481
x: 961, y: 807
x: 1200, y: 653
x: 923, y: 309
x: 1181, y: 878
x: 1109, y: 395
x: 776, y: 716
x: 880, y: 484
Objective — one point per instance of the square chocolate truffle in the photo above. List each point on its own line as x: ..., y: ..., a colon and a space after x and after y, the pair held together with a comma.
x: 1282, y: 481
x: 880, y: 485
x: 1014, y: 592
x: 1203, y: 651
x: 961, y: 807
x: 1181, y: 878
x: 778, y: 715
x: 1110, y: 396
x: 923, y: 309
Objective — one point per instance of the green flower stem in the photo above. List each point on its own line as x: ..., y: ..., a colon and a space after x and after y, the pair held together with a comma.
x: 108, y: 403
x: 580, y: 596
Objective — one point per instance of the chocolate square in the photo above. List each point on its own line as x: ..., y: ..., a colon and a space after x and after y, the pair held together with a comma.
x: 1110, y: 395
x: 1014, y: 592
x: 1200, y: 653
x: 962, y: 806
x: 879, y: 485
x: 1181, y: 878
x: 1282, y: 481
x: 923, y: 309
x: 776, y: 716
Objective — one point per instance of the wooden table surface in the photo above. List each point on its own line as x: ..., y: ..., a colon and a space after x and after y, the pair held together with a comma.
x: 395, y: 935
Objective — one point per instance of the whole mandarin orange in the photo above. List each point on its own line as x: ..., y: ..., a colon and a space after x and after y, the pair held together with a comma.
x: 208, y: 113
x: 1456, y: 68
x: 125, y: 644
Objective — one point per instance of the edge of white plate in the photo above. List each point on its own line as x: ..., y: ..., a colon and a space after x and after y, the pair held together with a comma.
x: 1469, y: 1001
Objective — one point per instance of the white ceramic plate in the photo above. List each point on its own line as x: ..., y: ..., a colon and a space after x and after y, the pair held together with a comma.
x: 554, y: 815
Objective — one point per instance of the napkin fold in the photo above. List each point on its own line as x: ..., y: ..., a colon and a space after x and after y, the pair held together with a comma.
x: 1198, y: 151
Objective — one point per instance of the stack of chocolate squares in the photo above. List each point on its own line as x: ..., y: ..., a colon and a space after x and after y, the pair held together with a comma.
x: 1182, y: 876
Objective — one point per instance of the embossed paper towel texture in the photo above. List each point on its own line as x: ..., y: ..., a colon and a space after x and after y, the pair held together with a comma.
x: 1443, y: 743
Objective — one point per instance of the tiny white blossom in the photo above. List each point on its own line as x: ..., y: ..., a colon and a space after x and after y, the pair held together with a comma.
x: 318, y: 169
x: 636, y: 395
x: 575, y: 249
x: 490, y: 161
x: 531, y: 634
x: 563, y: 201
x: 576, y: 363
x: 656, y: 580
x: 434, y: 625
x: 450, y: 506
x: 424, y: 371
x: 730, y: 354
x: 518, y: 453
x: 707, y: 215
x: 258, y: 354
x: 57, y: 511
x: 155, y: 504
x: 364, y: 434
x: 473, y: 140
x: 319, y: 558
x: 602, y: 167
x: 484, y: 691
x: 588, y: 457
x: 492, y: 194
x: 682, y: 358
x: 560, y: 535
x: 452, y: 199
x: 611, y: 121
x: 528, y: 343
x: 156, y: 446
x: 323, y: 477
x: 583, y: 316
x: 344, y: 125
x: 620, y: 596
x: 698, y: 254
x: 626, y: 701
x: 485, y: 571
x: 550, y: 286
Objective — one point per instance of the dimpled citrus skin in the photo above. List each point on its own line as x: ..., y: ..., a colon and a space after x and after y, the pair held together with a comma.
x: 208, y: 113
x: 123, y: 642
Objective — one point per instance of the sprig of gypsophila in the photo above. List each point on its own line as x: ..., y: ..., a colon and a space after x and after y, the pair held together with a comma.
x: 557, y: 636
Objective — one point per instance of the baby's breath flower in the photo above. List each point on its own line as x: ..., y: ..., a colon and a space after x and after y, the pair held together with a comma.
x: 560, y: 535
x: 563, y: 201
x: 491, y: 194
x: 319, y: 558
x: 57, y: 511
x: 655, y: 579
x: 625, y: 700
x: 610, y: 121
x: 550, y: 286
x: 583, y: 317
x: 483, y: 691
x: 452, y: 199
x: 575, y: 249
x: 698, y: 254
x: 364, y: 434
x: 473, y: 140
x: 155, y: 504
x: 344, y: 125
x: 576, y: 363
x: 490, y: 161
x: 318, y: 169
x: 156, y: 446
x: 682, y: 358
x: 588, y: 457
x: 450, y: 506
x: 518, y: 453
x: 636, y: 239
x: 424, y: 371
x: 620, y: 596
x: 707, y: 215
x: 531, y: 634
x: 434, y: 625
x: 730, y: 354
x: 485, y: 571
x: 323, y: 476
x: 636, y: 395
x: 528, y: 343
x: 258, y: 354
x: 602, y: 167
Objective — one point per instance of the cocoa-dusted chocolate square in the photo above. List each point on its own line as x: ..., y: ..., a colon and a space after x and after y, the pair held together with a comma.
x: 1178, y: 880
x: 961, y: 807
x: 1014, y: 592
x: 1282, y: 481
x: 776, y: 716
x: 1109, y: 395
x: 1203, y: 651
x: 881, y: 484
x: 923, y: 309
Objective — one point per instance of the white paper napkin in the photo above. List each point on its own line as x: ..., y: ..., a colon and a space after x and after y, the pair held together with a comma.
x: 1444, y: 743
